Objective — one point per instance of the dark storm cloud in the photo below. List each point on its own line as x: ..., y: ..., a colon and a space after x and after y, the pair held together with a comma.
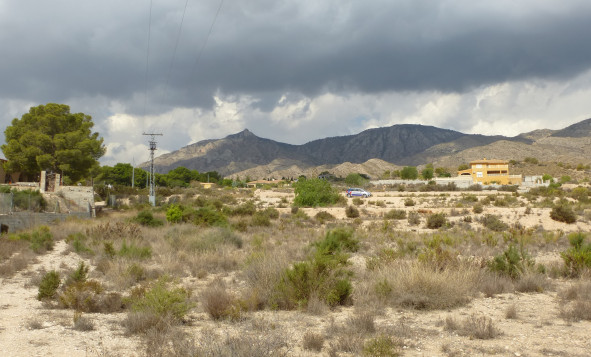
x: 62, y: 49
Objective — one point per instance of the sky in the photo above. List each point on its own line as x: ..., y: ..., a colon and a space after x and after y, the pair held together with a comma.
x: 295, y: 71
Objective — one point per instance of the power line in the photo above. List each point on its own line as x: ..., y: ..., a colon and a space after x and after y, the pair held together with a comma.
x: 209, y: 33
x: 176, y: 45
x: 148, y: 58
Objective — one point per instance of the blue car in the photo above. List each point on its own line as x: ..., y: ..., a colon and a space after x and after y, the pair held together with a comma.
x: 357, y: 192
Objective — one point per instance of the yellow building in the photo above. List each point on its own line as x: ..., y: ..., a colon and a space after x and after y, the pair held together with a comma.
x: 491, y: 172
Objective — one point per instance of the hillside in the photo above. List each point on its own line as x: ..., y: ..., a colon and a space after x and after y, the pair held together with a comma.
x: 245, y: 154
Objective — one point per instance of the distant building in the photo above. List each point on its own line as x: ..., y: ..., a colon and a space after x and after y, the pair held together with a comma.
x: 327, y: 176
x: 491, y: 172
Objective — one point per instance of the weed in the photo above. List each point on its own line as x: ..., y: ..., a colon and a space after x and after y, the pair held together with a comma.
x: 409, y: 202
x: 161, y: 300
x: 575, y: 301
x: 494, y: 223
x: 323, y: 216
x: 511, y: 312
x: 414, y: 218
x: 82, y: 323
x: 133, y: 251
x: 511, y: 263
x: 219, y: 303
x: 578, y: 257
x: 206, y: 216
x: 479, y: 327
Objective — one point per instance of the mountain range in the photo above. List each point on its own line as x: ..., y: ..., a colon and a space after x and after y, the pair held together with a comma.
x: 374, y: 150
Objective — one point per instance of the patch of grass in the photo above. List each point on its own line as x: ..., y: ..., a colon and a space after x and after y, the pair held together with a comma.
x: 82, y: 323
x: 419, y: 286
x: 575, y: 301
x: 134, y: 251
x: 382, y: 346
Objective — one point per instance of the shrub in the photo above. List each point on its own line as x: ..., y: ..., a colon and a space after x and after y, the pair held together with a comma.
x: 479, y: 327
x: 29, y: 200
x: 381, y: 345
x: 260, y: 219
x: 357, y: 201
x: 324, y: 216
x: 41, y: 239
x: 82, y: 296
x: 220, y: 304
x: 174, y: 214
x: 313, y: 341
x: 146, y: 218
x: 82, y: 323
x: 161, y: 302
x: 436, y: 220
x: 315, y: 192
x: 563, y: 213
x: 575, y: 301
x: 494, y: 223
x: 477, y: 208
x: 48, y: 286
x: 79, y: 275
x: 206, y: 216
x: 77, y: 241
x: 323, y: 276
x: 414, y: 218
x: 395, y: 214
x: 409, y: 202
x: 511, y: 263
x: 578, y: 257
x: 351, y: 212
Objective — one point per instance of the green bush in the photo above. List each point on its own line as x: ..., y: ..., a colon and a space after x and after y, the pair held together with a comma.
x: 382, y: 346
x: 206, y: 216
x: 436, y: 220
x: 174, y: 214
x: 146, y: 218
x: 494, y: 223
x: 395, y: 214
x: 79, y: 275
x: 578, y: 257
x: 48, y: 286
x: 409, y: 202
x: 351, y: 212
x: 512, y: 263
x: 322, y: 276
x: 315, y: 192
x: 260, y: 219
x: 563, y: 213
x: 356, y: 180
x: 78, y: 242
x: 29, y: 200
x: 161, y: 300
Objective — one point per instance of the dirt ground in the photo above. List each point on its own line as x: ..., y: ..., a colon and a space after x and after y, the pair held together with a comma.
x: 28, y: 328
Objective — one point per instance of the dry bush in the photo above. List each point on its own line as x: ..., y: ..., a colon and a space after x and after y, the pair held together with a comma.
x: 531, y: 282
x: 511, y: 312
x: 262, y: 273
x: 270, y: 344
x: 82, y: 323
x: 16, y: 263
x: 418, y: 286
x: 362, y: 322
x: 474, y: 326
x: 313, y: 341
x: 575, y: 301
x: 491, y: 284
x: 169, y: 341
x: 219, y: 303
x: 382, y: 345
x: 34, y: 324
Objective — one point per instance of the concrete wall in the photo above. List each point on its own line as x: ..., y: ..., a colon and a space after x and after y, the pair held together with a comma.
x: 22, y: 220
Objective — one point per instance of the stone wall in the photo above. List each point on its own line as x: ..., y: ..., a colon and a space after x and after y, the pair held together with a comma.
x: 23, y: 220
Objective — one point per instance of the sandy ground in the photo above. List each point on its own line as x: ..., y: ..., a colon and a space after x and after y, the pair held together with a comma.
x: 27, y: 328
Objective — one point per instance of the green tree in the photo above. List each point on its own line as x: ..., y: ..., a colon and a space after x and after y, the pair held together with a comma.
x: 51, y: 138
x: 427, y: 173
x: 355, y: 180
x: 409, y: 173
x: 314, y: 192
x: 463, y: 167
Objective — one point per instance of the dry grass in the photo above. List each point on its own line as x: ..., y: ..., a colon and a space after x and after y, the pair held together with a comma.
x: 313, y: 341
x: 418, y: 286
x: 575, y: 301
x: 479, y: 327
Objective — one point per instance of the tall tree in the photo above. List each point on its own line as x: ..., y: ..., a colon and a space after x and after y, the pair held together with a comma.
x: 51, y: 138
